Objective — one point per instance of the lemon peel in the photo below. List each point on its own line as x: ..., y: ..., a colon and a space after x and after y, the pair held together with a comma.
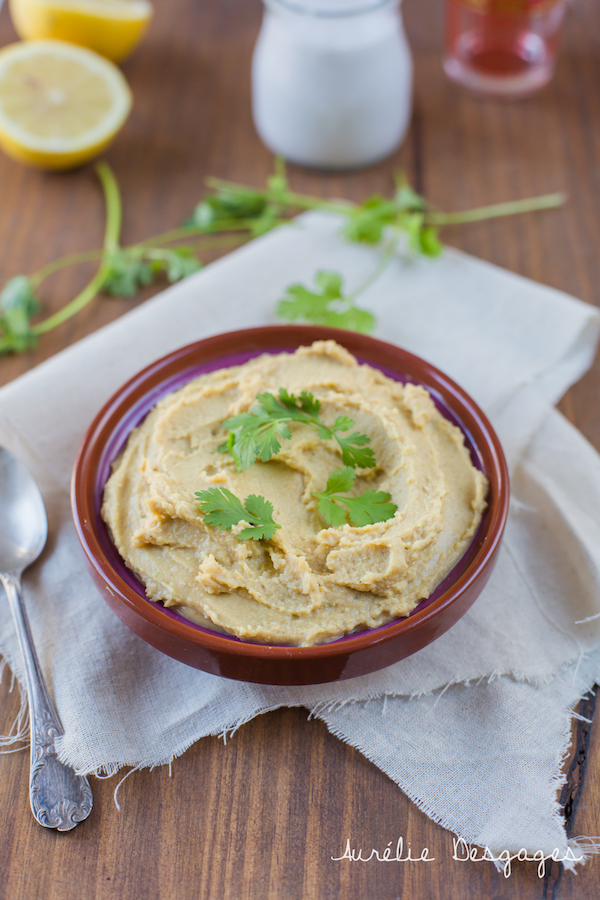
x: 112, y: 28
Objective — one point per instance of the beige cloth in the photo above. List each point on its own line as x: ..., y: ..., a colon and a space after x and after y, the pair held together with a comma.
x: 473, y: 723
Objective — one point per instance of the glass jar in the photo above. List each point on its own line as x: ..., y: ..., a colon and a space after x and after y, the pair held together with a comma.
x: 332, y: 81
x: 502, y: 48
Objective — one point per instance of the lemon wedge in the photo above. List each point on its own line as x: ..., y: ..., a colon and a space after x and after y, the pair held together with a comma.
x: 112, y: 28
x: 60, y: 105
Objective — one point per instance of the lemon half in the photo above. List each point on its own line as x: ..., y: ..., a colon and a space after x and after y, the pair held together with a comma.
x: 112, y: 28
x: 60, y: 105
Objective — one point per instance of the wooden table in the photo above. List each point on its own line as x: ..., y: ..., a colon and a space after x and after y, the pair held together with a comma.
x: 261, y: 816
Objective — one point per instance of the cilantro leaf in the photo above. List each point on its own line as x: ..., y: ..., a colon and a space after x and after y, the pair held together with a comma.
x: 327, y: 307
x: 366, y: 509
x: 127, y: 272
x: 329, y: 510
x: 232, y: 206
x: 366, y: 222
x: 261, y: 518
x: 355, y: 453
x: 341, y: 480
x: 255, y: 436
x: 310, y: 405
x: 370, y: 507
x: 429, y: 241
x: 226, y: 209
x: 18, y: 293
x: 130, y: 268
x: 225, y: 205
x: 266, y: 222
x: 180, y: 262
x: 18, y: 303
x: 223, y: 509
x: 289, y: 401
x: 405, y: 197
x: 404, y: 213
x: 220, y: 507
x: 258, y: 434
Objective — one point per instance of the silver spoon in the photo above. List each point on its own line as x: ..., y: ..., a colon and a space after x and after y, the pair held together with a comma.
x: 59, y: 798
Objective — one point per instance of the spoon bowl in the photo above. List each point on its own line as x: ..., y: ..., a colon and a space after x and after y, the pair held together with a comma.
x: 23, y: 524
x: 59, y: 797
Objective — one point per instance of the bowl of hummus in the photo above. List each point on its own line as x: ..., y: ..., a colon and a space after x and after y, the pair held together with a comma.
x: 290, y: 504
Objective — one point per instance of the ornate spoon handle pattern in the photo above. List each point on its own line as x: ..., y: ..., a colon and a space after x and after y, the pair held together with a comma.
x: 59, y: 797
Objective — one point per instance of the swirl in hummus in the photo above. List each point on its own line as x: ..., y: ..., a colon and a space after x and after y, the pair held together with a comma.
x: 309, y: 583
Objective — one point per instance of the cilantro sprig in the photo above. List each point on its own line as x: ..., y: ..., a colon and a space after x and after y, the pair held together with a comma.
x: 131, y: 268
x: 387, y: 221
x: 365, y: 509
x: 229, y: 215
x: 121, y: 272
x: 258, y: 434
x: 223, y: 509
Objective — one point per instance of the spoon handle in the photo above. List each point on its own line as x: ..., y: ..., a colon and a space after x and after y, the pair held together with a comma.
x: 59, y: 797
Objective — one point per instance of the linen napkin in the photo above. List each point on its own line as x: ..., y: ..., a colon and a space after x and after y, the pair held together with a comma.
x: 496, y: 692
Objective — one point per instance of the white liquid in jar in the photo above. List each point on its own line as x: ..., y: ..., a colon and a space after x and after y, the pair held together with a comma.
x: 332, y: 91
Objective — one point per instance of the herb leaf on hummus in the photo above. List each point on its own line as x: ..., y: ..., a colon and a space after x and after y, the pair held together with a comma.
x: 252, y: 436
x: 223, y: 509
x: 366, y: 509
x: 258, y: 434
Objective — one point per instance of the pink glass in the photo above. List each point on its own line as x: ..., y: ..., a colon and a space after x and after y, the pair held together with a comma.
x: 502, y: 48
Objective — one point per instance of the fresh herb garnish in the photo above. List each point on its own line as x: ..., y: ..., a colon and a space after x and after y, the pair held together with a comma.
x: 366, y: 509
x: 329, y: 307
x: 18, y: 304
x: 378, y: 220
x: 131, y: 268
x: 126, y: 273
x: 230, y: 215
x: 258, y: 434
x: 223, y: 509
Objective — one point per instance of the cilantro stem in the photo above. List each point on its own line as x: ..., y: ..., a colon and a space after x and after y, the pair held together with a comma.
x: 513, y: 207
x: 178, y: 234
x: 288, y: 199
x: 77, y: 304
x: 175, y: 234
x: 61, y: 263
x: 112, y: 199
x: 93, y: 255
x: 202, y: 231
x: 158, y: 252
x: 112, y: 232
x: 382, y: 265
x: 496, y: 210
x: 136, y: 264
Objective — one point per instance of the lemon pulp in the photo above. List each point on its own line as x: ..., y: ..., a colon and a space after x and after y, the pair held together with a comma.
x: 60, y: 105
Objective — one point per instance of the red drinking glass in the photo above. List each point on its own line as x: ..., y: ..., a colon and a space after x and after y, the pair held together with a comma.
x: 502, y: 48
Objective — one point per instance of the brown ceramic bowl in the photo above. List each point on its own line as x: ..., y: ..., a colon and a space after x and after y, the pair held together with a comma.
x: 219, y: 654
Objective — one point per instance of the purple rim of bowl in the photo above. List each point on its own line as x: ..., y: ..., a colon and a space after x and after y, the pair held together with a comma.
x: 140, y: 410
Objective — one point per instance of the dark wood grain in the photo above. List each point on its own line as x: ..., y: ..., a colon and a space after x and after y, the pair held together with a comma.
x: 261, y: 817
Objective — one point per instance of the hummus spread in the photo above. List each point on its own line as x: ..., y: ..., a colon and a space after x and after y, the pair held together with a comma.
x: 309, y: 583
